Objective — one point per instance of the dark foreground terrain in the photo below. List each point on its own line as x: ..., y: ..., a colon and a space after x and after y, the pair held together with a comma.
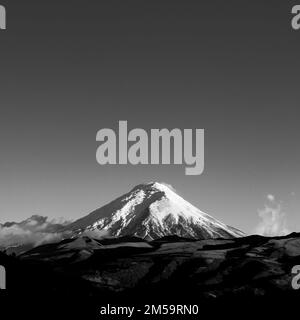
x: 74, y: 278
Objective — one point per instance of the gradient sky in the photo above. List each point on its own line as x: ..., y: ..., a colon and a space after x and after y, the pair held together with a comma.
x: 230, y: 67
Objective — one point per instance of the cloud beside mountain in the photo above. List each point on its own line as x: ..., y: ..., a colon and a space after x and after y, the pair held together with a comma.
x: 273, y: 220
x: 35, y: 230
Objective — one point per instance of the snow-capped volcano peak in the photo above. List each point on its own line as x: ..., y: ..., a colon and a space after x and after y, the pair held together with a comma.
x: 152, y: 211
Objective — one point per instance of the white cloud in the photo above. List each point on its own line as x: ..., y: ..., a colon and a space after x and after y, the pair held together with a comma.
x: 271, y: 197
x: 36, y: 230
x: 273, y: 220
x: 16, y: 235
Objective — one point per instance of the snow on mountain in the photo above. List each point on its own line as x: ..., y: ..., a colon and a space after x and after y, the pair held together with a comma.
x: 153, y: 211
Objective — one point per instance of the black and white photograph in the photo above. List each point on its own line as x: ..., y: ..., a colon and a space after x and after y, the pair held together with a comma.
x: 149, y: 159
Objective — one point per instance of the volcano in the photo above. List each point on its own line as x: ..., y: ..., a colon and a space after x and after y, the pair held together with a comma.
x: 151, y: 211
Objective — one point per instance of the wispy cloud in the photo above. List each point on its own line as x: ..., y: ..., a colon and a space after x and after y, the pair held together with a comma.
x: 273, y: 220
x: 36, y: 230
x: 271, y: 197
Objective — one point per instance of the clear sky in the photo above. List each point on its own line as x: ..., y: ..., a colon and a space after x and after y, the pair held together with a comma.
x: 230, y: 67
